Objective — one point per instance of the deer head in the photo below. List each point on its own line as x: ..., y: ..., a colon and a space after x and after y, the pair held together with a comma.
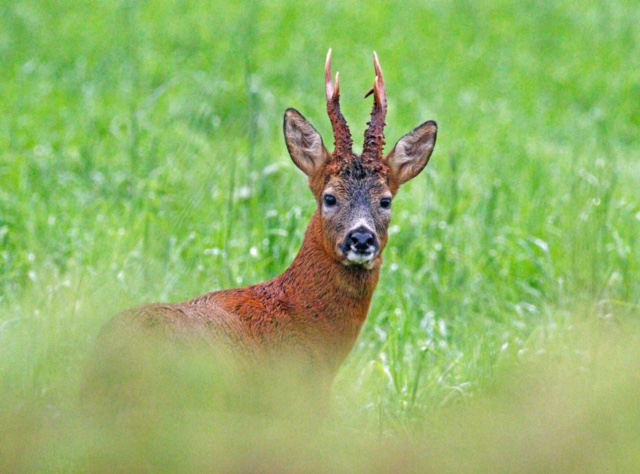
x: 354, y: 192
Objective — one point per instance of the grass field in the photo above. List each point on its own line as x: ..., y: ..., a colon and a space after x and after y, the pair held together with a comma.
x: 142, y: 160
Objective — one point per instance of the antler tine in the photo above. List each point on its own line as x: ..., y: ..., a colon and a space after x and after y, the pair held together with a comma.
x: 379, y: 80
x: 327, y: 77
x: 341, y: 133
x: 374, y: 136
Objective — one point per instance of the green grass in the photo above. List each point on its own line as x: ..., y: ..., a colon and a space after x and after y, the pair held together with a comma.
x: 142, y: 160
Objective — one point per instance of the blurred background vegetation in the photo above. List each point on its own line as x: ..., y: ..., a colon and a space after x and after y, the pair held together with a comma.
x: 142, y: 160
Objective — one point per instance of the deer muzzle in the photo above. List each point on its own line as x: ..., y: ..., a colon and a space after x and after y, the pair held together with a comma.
x: 360, y: 247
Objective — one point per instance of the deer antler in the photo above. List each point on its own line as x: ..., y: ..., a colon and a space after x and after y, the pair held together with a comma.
x: 341, y: 133
x: 374, y: 136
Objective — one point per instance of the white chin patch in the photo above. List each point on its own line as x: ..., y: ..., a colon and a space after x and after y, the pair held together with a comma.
x: 365, y: 260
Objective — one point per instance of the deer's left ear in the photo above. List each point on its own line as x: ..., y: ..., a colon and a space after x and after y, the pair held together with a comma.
x: 411, y: 154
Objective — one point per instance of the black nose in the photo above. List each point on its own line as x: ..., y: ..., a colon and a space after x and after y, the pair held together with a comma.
x: 361, y: 240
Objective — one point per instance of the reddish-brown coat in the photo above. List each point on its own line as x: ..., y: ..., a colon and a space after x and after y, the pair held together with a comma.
x: 316, y: 308
x: 313, y: 312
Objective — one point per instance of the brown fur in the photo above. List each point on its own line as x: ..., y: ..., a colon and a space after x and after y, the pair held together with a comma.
x: 314, y: 311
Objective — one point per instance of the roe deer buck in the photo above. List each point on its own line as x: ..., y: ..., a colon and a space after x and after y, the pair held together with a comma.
x: 316, y: 308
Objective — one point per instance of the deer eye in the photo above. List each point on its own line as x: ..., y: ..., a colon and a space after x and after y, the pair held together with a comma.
x: 330, y: 200
x: 385, y: 203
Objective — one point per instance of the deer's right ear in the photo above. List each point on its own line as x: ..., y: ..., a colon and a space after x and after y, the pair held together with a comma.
x: 304, y: 143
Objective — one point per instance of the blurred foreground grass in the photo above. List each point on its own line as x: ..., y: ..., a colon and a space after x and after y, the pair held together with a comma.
x: 141, y: 160
x: 574, y: 407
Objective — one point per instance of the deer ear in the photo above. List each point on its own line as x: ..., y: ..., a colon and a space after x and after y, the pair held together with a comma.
x: 304, y: 143
x: 411, y: 154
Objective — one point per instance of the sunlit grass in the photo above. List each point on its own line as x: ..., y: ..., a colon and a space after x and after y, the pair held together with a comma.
x: 142, y: 160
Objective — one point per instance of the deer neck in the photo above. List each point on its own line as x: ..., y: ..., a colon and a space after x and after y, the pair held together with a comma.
x: 327, y: 298
x: 318, y: 275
